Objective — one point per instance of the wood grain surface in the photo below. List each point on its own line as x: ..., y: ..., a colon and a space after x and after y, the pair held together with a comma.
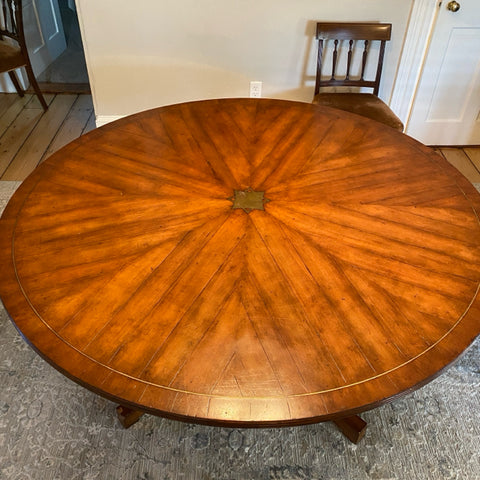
x: 125, y: 265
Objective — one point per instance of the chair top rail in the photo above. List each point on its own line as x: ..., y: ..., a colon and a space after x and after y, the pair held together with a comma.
x: 355, y: 31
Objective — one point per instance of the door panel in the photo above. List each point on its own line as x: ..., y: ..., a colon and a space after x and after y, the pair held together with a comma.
x: 458, y: 75
x: 43, y: 32
x: 447, y: 103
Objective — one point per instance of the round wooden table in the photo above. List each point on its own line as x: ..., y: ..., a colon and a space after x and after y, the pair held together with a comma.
x: 245, y: 262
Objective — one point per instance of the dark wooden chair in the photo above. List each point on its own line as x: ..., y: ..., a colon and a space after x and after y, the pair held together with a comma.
x: 13, y: 49
x: 350, y: 36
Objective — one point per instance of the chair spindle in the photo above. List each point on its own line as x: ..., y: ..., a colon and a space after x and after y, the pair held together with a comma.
x: 335, y: 52
x: 349, y: 60
x: 13, y: 18
x: 4, y: 16
x: 364, y: 60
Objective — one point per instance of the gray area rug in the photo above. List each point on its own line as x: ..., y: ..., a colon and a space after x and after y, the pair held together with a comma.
x: 50, y: 428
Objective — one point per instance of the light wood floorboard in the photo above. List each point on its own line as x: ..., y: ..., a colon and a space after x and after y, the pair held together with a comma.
x: 459, y: 158
x: 473, y: 154
x: 28, y: 136
x: 19, y: 125
x: 39, y: 139
x: 74, y: 124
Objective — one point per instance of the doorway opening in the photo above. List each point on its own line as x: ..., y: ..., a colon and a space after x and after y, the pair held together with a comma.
x: 68, y: 72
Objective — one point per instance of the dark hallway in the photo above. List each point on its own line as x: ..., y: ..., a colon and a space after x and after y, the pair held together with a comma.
x: 68, y: 73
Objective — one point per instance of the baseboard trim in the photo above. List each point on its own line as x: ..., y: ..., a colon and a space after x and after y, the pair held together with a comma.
x: 50, y: 87
x: 101, y: 120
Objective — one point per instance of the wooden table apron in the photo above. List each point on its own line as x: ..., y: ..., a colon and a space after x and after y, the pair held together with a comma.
x: 244, y: 261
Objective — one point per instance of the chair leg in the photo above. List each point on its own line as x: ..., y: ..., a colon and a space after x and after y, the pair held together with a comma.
x: 36, y: 88
x: 16, y: 83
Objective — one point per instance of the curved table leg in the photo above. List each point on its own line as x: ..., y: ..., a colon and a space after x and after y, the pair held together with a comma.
x: 353, y: 427
x: 128, y: 416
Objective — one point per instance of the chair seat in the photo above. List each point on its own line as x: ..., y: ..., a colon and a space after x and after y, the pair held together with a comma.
x: 365, y: 104
x: 10, y: 57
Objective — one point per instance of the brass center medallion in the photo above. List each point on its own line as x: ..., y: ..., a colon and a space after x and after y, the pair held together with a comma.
x: 248, y: 200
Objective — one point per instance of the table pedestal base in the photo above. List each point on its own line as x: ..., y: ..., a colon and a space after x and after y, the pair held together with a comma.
x: 353, y: 427
x: 127, y: 415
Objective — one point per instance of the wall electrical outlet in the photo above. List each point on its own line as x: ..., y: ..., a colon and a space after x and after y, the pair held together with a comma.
x: 255, y: 89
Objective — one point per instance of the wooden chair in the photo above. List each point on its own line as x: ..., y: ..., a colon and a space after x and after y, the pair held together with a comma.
x: 352, y: 35
x: 13, y: 52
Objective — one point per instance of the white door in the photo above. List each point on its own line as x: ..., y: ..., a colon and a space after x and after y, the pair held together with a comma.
x: 446, y: 109
x: 43, y: 32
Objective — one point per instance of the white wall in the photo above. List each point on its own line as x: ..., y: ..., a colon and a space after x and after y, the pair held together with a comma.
x: 157, y: 52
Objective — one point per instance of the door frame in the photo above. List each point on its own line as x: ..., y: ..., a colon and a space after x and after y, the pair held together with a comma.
x: 420, y: 27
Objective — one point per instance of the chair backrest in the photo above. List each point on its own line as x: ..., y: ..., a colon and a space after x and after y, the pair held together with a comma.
x: 11, y: 24
x: 353, y: 33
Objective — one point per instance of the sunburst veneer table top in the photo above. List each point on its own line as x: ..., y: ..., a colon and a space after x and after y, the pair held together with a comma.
x: 244, y: 261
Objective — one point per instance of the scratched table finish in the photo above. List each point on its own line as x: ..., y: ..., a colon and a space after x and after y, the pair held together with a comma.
x: 245, y: 262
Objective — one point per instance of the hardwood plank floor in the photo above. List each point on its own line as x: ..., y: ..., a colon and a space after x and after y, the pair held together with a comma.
x: 76, y: 123
x: 28, y: 136
x: 460, y: 159
x: 473, y: 153
x: 39, y: 139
